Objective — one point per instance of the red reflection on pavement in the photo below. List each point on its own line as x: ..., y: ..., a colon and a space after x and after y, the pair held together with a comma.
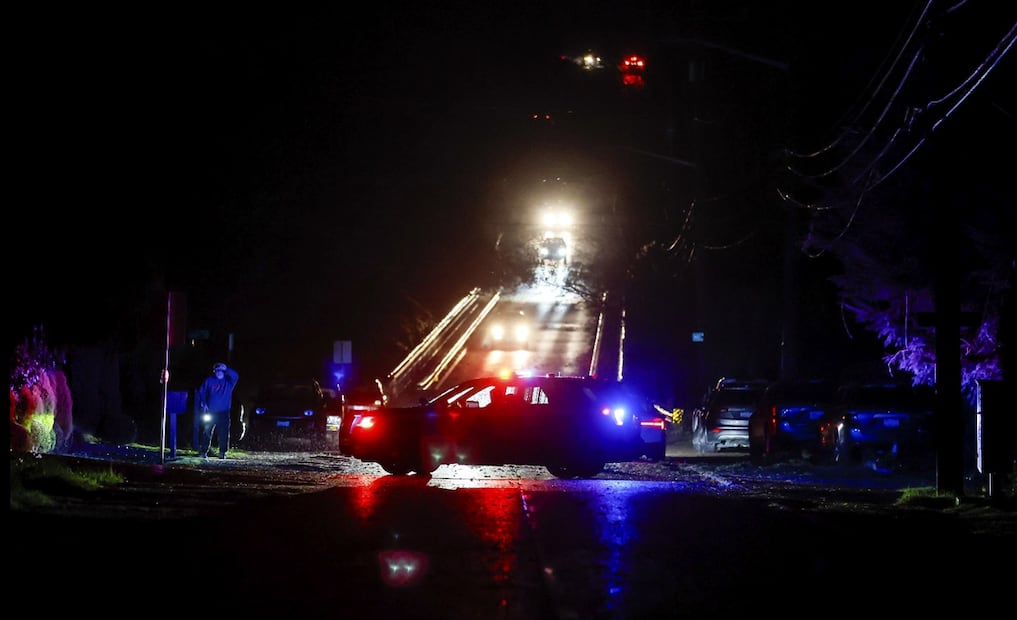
x: 494, y: 520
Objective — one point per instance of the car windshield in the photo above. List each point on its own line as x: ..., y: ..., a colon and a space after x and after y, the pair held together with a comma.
x: 891, y: 398
x: 297, y: 393
x: 736, y: 398
x: 813, y: 392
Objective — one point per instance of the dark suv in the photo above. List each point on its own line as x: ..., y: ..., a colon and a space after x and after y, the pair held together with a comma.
x: 785, y: 423
x: 721, y: 422
x: 572, y: 426
x: 885, y: 426
x: 284, y: 412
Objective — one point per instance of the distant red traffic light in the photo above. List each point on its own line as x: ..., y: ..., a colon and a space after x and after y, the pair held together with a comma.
x: 631, y: 68
x: 632, y: 64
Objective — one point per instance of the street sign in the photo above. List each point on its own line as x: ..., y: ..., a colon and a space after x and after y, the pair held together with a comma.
x: 342, y: 352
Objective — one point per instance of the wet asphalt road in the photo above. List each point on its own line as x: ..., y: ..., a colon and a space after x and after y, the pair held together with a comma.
x: 320, y: 535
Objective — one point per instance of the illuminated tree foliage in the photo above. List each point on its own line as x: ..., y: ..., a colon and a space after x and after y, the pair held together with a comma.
x: 891, y: 254
x: 41, y: 404
x: 912, y: 192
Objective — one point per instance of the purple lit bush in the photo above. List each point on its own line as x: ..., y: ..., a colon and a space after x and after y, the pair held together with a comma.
x: 41, y: 403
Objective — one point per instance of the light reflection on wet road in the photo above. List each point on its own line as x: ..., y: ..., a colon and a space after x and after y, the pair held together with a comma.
x: 689, y: 536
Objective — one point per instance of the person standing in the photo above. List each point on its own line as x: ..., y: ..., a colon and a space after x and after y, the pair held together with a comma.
x: 213, y: 402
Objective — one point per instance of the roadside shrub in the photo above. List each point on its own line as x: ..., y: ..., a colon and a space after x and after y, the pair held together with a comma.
x: 63, y: 419
x: 21, y: 439
x: 40, y: 428
x: 41, y: 405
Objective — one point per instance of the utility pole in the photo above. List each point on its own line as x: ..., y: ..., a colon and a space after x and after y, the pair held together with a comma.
x: 949, y: 419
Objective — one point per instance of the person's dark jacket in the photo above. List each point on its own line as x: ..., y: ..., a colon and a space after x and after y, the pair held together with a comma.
x: 216, y: 395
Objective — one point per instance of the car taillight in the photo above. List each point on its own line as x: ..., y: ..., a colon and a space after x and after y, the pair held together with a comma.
x: 656, y: 423
x: 365, y: 422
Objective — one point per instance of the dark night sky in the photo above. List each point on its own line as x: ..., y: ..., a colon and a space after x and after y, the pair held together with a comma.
x: 310, y: 175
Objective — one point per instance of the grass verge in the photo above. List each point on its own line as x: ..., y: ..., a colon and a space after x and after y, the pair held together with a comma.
x: 34, y: 480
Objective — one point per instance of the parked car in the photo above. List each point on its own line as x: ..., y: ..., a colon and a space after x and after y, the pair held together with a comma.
x: 721, y: 422
x: 359, y: 400
x: 282, y: 412
x: 572, y: 426
x: 885, y: 426
x: 785, y: 423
